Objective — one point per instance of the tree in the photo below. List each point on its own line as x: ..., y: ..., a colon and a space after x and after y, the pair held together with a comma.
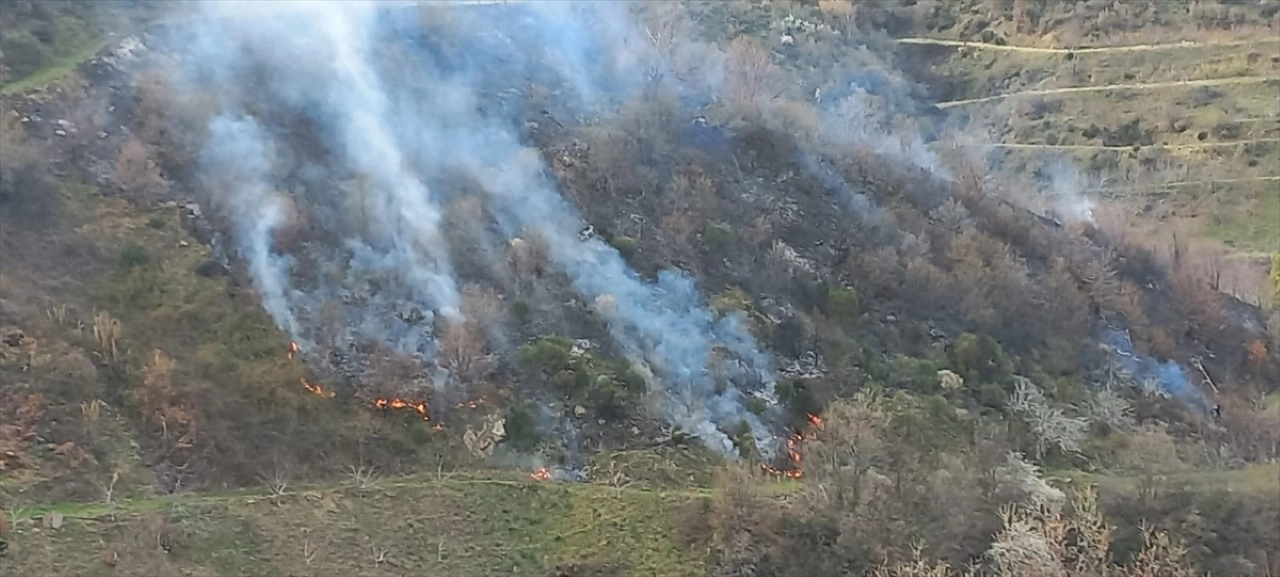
x: 753, y: 79
x: 1050, y: 427
x: 158, y: 402
x: 463, y: 343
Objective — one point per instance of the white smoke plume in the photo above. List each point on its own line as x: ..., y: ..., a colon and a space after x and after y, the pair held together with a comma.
x: 394, y: 115
x: 1067, y: 192
x: 318, y: 57
x: 239, y: 155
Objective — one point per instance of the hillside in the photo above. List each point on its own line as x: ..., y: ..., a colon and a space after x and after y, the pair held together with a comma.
x: 640, y: 289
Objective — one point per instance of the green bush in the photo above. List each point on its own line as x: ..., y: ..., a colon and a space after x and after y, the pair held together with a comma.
x: 520, y: 308
x: 730, y: 300
x: 521, y: 427
x: 917, y: 375
x: 980, y: 359
x: 133, y: 255
x: 602, y: 383
x: 156, y: 222
x: 626, y: 245
x: 548, y: 355
x: 743, y: 440
x: 785, y: 389
x: 841, y: 305
x: 717, y: 236
x: 24, y: 54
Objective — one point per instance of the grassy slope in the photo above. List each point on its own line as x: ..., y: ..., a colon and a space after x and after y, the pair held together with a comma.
x: 480, y: 524
x: 75, y: 33
x: 458, y: 525
x: 1210, y: 111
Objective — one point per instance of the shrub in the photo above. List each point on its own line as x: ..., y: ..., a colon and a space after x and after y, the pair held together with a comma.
x: 626, y: 245
x: 521, y: 427
x: 134, y: 255
x: 842, y: 305
x: 918, y: 375
x: 24, y: 54
x: 548, y: 355
x: 717, y: 236
x: 730, y: 300
x: 520, y: 308
x: 156, y: 223
x: 980, y: 359
x: 600, y: 382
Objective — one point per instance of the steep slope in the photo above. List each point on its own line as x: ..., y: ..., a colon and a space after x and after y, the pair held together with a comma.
x: 408, y: 250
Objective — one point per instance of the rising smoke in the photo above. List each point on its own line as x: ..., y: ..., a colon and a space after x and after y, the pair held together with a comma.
x: 317, y: 57
x: 399, y: 113
x: 1067, y: 192
x: 395, y: 114
x: 1168, y: 377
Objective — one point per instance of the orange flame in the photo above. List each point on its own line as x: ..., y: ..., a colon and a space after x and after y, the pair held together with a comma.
x: 470, y: 404
x: 317, y: 389
x: 541, y: 474
x: 793, y: 455
x: 293, y: 349
x: 815, y: 420
x: 419, y: 407
x: 788, y: 473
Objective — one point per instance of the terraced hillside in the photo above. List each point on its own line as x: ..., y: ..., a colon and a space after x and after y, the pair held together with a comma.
x: 1181, y: 137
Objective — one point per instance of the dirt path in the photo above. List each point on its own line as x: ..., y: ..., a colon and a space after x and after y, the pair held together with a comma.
x: 1164, y: 185
x: 1086, y: 50
x: 1108, y: 87
x: 1018, y: 146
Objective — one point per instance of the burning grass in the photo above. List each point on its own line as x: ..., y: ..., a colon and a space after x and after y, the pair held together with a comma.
x: 794, y: 450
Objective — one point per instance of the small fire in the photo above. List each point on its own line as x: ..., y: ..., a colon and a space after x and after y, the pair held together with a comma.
x: 470, y: 404
x: 794, y: 456
x: 541, y: 474
x: 293, y: 349
x: 419, y: 407
x: 788, y: 473
x: 317, y: 389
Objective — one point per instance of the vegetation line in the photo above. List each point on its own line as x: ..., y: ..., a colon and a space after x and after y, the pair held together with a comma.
x: 1186, y: 183
x: 56, y: 71
x: 1083, y: 50
x: 1106, y: 87
x: 76, y: 510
